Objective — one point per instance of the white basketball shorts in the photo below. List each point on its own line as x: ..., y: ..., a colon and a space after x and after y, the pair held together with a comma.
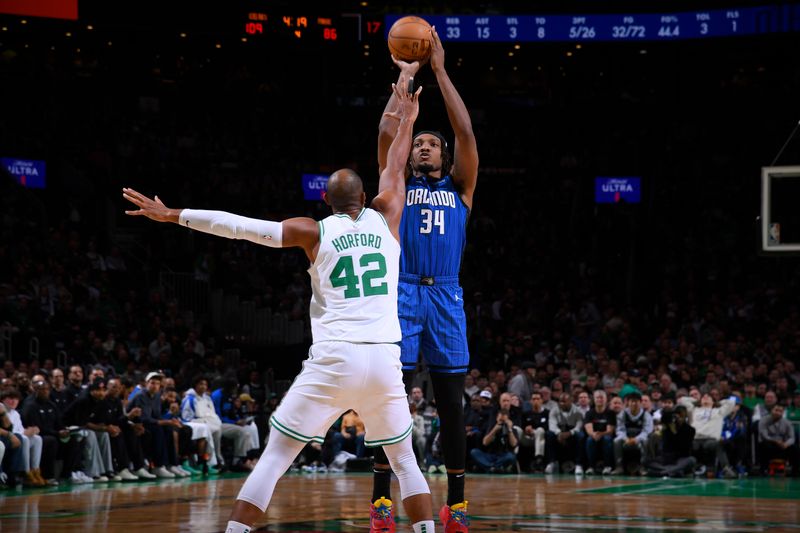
x: 338, y: 376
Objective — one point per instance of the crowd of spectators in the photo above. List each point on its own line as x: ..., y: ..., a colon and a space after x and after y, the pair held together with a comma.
x: 104, y: 427
x: 568, y: 303
x: 644, y: 424
x: 109, y: 428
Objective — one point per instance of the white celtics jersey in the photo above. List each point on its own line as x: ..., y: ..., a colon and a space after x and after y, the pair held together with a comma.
x: 354, y: 280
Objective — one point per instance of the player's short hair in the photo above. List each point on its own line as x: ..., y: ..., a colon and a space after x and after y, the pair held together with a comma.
x: 435, y: 134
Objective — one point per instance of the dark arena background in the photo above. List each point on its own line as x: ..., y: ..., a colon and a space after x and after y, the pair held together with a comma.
x: 635, y: 227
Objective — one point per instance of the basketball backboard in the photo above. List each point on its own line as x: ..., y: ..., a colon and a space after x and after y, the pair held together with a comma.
x: 779, y: 230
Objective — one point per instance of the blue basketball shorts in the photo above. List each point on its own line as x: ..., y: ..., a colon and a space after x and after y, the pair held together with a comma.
x: 434, y: 324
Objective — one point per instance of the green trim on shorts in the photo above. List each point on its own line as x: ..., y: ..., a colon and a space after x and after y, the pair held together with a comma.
x: 293, y: 434
x: 391, y: 440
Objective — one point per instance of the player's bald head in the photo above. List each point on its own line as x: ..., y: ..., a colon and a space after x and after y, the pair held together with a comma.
x: 345, y: 190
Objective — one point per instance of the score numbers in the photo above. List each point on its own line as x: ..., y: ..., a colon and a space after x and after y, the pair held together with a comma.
x: 255, y: 24
x: 327, y: 28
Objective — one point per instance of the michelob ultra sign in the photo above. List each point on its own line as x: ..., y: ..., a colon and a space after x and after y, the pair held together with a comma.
x: 28, y: 172
x: 314, y: 185
x: 612, y: 190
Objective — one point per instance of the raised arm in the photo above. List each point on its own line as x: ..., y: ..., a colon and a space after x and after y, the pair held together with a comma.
x: 387, y: 128
x: 301, y: 232
x: 392, y: 185
x: 688, y: 403
x: 726, y: 407
x: 465, y: 151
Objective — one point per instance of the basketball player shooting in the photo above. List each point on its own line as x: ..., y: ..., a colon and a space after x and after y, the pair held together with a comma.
x: 431, y: 304
x: 354, y: 361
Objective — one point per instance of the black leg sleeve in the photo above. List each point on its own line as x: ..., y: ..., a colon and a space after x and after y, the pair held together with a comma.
x: 448, y: 390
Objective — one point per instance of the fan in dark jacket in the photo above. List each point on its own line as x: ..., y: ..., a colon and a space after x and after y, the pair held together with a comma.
x: 676, y: 440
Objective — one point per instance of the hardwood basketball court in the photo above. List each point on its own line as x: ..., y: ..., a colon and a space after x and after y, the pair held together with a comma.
x: 338, y: 502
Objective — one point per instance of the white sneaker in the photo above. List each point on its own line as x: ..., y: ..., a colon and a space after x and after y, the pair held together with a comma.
x: 607, y: 471
x: 177, y: 471
x: 163, y: 473
x: 578, y: 470
x: 114, y: 477
x: 126, y: 475
x: 100, y: 479
x: 589, y: 471
x: 551, y: 468
x: 186, y: 473
x: 86, y: 479
x: 142, y: 473
x: 77, y: 478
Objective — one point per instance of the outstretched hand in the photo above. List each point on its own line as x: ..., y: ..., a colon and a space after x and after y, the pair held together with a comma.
x: 437, y: 51
x: 406, y: 68
x: 152, y: 209
x: 407, y: 104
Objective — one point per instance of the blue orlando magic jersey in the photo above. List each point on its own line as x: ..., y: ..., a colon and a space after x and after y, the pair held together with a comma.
x: 433, y: 229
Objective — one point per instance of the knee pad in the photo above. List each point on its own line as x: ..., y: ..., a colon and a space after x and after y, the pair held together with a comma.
x: 404, y: 463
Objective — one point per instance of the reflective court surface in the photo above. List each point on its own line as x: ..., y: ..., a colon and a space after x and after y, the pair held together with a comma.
x: 340, y: 502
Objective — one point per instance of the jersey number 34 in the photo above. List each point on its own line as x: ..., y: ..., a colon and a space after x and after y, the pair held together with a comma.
x: 431, y: 218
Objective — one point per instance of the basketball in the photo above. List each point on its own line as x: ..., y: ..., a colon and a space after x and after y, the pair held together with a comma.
x: 410, y: 39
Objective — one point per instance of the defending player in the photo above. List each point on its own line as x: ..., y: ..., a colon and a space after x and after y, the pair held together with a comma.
x: 354, y: 361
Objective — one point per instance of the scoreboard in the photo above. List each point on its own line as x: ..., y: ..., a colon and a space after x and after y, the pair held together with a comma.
x: 553, y: 27
x: 349, y: 27
x: 614, y: 27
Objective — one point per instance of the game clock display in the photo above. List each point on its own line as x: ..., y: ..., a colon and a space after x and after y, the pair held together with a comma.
x: 310, y: 26
x: 614, y: 27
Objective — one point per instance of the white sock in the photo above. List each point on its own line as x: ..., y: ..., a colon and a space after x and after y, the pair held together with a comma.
x: 236, y: 527
x: 426, y: 526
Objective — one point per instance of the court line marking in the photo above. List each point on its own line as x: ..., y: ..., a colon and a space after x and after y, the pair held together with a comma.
x: 559, y: 526
x: 68, y: 488
x: 634, y: 519
x: 649, y: 489
x: 599, y: 490
x: 669, y: 486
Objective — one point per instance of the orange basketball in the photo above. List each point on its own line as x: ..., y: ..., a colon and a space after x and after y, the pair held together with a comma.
x: 410, y: 39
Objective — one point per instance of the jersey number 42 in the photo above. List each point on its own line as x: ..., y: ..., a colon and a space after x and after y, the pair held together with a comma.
x: 344, y: 275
